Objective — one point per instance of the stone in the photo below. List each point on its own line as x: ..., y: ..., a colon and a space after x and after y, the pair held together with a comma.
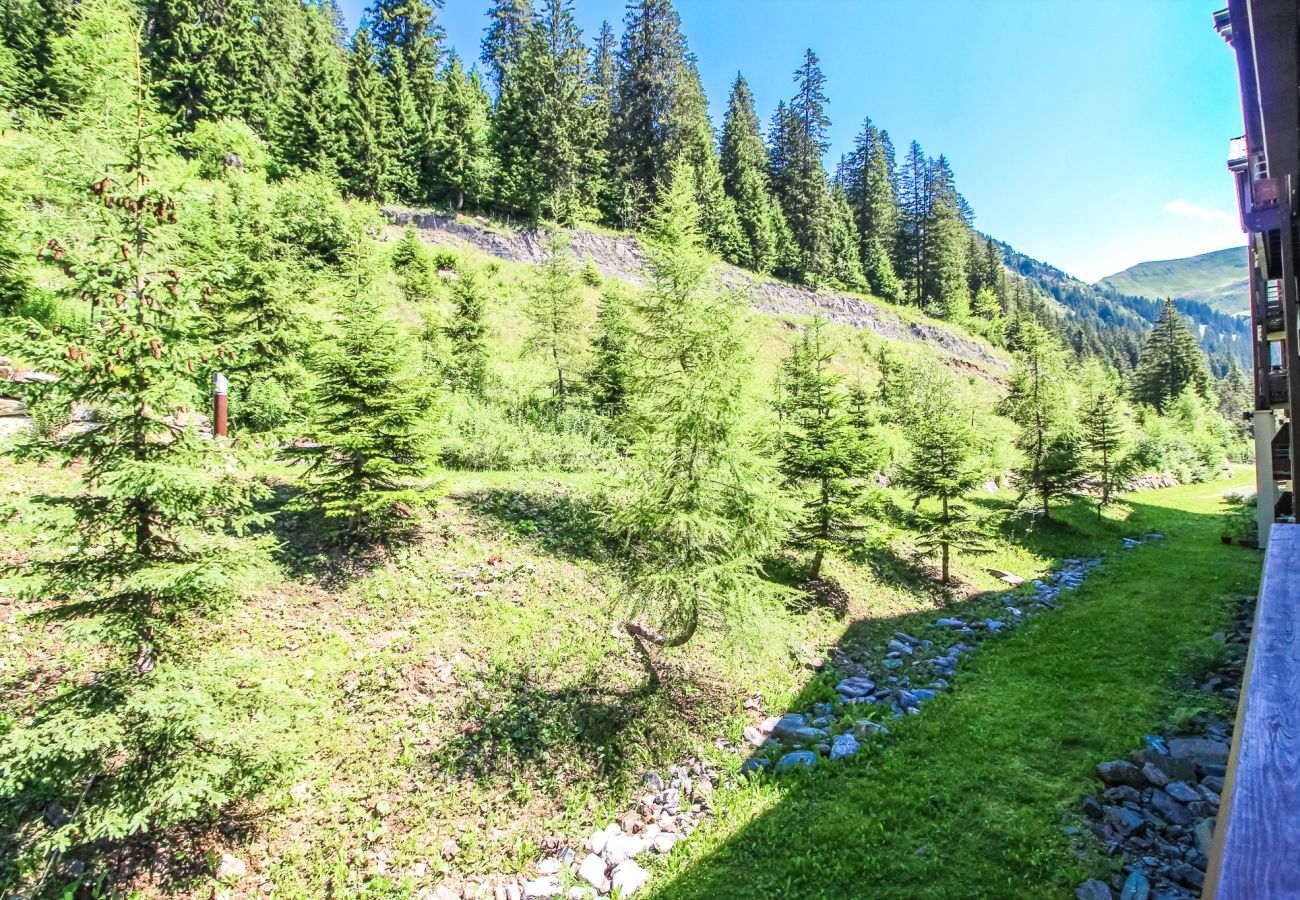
x: 844, y: 745
x: 1092, y: 889
x: 546, y: 886
x: 1136, y: 887
x: 855, y: 687
x: 513, y: 892
x: 652, y: 782
x: 1199, y: 751
x: 596, y: 843
x: 1213, y: 783
x: 1174, y: 769
x: 628, y: 878
x: 231, y: 868
x: 1121, y: 794
x: 797, y: 758
x: 549, y: 866
x: 1154, y: 775
x: 1092, y: 808
x: 1187, y: 875
x: 592, y: 871
x: 753, y: 766
x: 621, y: 847
x: 1182, y: 792
x: 1170, y: 809
x: 864, y: 729
x: 950, y: 623
x: 1203, y: 833
x: 663, y: 843
x: 1120, y: 772
x: 1125, y: 820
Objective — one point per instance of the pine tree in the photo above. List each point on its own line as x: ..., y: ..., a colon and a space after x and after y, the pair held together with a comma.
x: 1039, y: 405
x: 408, y: 44
x: 552, y: 313
x: 149, y: 742
x: 944, y: 464
x: 207, y: 58
x: 694, y: 504
x: 914, y: 205
x: 823, y: 449
x: 460, y: 139
x: 1171, y: 361
x: 508, y: 24
x: 1103, y: 431
x: 869, y: 177
x: 369, y: 123
x: 373, y: 423
x: 466, y: 333
x: 945, y: 290
x: 745, y: 178
x: 308, y: 132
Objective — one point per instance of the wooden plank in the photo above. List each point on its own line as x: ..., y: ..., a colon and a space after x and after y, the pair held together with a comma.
x: 1256, y: 850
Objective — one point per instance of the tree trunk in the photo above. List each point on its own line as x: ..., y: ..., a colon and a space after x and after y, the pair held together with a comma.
x: 943, y: 546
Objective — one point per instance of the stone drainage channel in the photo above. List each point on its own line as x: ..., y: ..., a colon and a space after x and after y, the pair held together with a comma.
x: 912, y: 671
x: 1157, y: 810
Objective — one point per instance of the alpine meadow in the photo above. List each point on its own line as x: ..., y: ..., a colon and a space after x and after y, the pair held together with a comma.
x: 486, y: 471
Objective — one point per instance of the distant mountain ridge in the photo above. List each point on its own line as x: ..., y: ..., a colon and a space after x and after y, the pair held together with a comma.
x: 1219, y: 280
x: 1103, y: 320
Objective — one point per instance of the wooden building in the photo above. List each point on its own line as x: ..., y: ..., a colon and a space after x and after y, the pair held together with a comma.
x: 1265, y: 162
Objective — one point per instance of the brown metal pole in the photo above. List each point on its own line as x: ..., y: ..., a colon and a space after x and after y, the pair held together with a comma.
x: 219, y: 390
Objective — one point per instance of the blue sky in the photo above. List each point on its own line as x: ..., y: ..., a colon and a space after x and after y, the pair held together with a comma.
x: 1091, y: 134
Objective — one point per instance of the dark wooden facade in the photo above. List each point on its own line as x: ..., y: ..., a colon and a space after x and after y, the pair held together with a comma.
x: 1265, y: 163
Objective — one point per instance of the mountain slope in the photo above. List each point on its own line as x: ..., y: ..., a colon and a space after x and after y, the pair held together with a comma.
x: 1101, y: 312
x: 1218, y: 279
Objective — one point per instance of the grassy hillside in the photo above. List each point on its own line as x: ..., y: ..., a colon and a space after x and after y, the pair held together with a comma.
x: 1218, y: 279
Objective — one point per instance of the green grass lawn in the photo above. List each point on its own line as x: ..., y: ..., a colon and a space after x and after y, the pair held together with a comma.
x: 973, y: 798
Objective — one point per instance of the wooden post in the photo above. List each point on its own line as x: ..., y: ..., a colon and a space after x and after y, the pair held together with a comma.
x: 219, y: 390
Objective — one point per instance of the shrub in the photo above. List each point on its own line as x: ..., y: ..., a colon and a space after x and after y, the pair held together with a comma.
x: 264, y: 406
x: 482, y: 436
x: 311, y: 217
x: 590, y: 275
x: 445, y: 260
x: 216, y: 143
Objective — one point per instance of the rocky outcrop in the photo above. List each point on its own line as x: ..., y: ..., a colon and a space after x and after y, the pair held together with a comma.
x: 620, y: 257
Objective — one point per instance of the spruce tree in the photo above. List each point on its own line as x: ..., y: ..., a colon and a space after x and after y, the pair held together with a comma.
x: 842, y: 243
x: 466, y: 332
x: 944, y: 464
x: 609, y: 380
x: 374, y: 434
x: 945, y: 290
x: 869, y: 178
x: 508, y: 24
x: 147, y: 741
x: 308, y: 125
x: 799, y: 178
x: 695, y: 146
x: 1103, y: 431
x: 1040, y: 406
x: 410, y: 136
x: 745, y: 179
x: 408, y: 43
x: 694, y: 504
x: 368, y: 122
x: 824, y: 452
x: 460, y: 138
x: 207, y: 59
x: 914, y: 206
x: 552, y: 313
x: 1171, y: 361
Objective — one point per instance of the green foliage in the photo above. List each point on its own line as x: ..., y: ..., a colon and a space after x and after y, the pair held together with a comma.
x: 944, y: 464
x: 225, y: 147
x: 590, y: 275
x: 694, y: 504
x: 1039, y: 403
x: 552, y: 314
x: 1104, y: 435
x: 466, y: 333
x: 1170, y: 363
x: 609, y: 381
x: 823, y: 449
x: 744, y: 167
x: 460, y: 138
x: 310, y: 218
x: 485, y: 436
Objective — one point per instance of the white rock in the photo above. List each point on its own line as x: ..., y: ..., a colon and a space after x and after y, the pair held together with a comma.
x: 231, y: 868
x: 578, y: 893
x: 622, y: 847
x: 513, y: 892
x: 768, y: 724
x: 549, y: 866
x: 596, y: 843
x: 652, y: 831
x: 546, y: 886
x: 664, y: 842
x: 754, y: 736
x: 592, y: 871
x: 628, y: 878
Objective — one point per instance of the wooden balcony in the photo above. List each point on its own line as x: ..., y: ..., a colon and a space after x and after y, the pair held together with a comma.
x: 1256, y: 852
x: 1277, y: 389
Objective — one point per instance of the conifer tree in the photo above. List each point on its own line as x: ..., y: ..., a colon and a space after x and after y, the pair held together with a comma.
x: 14, y: 286
x: 745, y: 179
x: 408, y: 43
x: 799, y: 178
x: 609, y: 380
x: 503, y: 44
x: 694, y: 505
x: 944, y: 464
x: 1171, y: 361
x: 694, y: 146
x: 147, y: 741
x: 869, y: 180
x: 842, y: 243
x: 823, y: 449
x: 207, y: 59
x: 369, y: 123
x: 945, y: 289
x: 552, y: 313
x: 373, y: 420
x: 411, y: 136
x: 1103, y: 431
x: 466, y: 332
x: 1039, y: 405
x: 308, y: 132
x: 914, y: 205
x: 460, y: 138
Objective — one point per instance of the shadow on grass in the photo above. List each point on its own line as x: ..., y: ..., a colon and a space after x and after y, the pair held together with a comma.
x: 559, y: 520
x: 970, y: 798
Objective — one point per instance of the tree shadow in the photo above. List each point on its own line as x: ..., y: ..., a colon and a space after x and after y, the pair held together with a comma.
x: 561, y: 521
x: 966, y: 796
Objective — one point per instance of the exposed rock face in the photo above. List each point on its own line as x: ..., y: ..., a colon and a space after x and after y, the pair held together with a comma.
x: 621, y: 257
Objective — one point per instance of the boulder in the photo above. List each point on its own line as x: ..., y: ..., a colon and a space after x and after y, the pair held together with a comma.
x: 797, y: 758
x: 855, y: 687
x: 1199, y: 751
x: 844, y: 745
x: 1170, y: 809
x: 628, y: 878
x: 1092, y: 889
x: 1182, y: 792
x: 592, y: 871
x: 1136, y: 887
x: 1204, y: 834
x: 1120, y: 772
